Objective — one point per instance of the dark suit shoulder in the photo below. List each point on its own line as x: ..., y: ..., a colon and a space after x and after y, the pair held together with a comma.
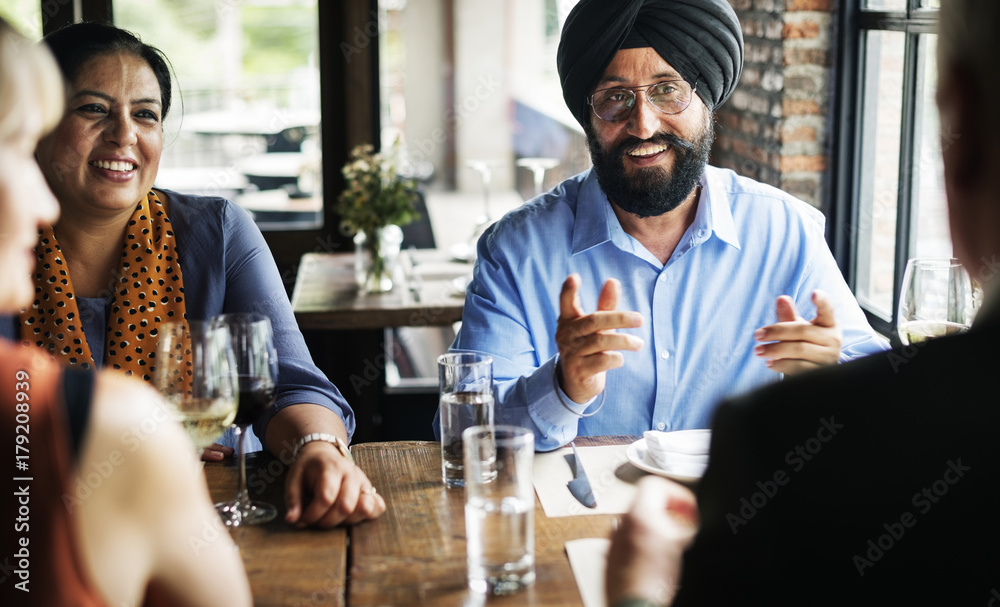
x: 960, y: 365
x: 870, y: 479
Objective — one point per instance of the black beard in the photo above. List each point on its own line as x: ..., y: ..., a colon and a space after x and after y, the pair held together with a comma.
x: 651, y: 191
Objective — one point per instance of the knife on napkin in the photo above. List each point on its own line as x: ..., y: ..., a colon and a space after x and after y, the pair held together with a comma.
x: 580, y: 486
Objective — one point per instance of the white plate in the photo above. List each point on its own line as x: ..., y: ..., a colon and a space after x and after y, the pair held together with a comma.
x: 638, y: 454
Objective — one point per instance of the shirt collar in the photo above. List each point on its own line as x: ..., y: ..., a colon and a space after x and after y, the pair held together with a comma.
x: 714, y: 214
x: 596, y: 221
x: 594, y: 216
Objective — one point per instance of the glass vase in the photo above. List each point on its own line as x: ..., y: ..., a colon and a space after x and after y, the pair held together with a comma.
x: 375, y: 258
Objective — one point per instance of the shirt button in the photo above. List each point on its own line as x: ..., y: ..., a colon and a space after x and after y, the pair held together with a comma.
x: 661, y: 426
x: 662, y: 278
x: 664, y: 354
x: 701, y: 233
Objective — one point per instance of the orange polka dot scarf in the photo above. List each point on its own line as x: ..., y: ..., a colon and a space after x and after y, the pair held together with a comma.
x: 148, y: 290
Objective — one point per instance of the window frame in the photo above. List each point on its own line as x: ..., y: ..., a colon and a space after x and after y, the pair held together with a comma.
x: 854, y: 24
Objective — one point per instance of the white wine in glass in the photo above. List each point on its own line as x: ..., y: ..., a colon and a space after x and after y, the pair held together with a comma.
x: 936, y: 300
x: 196, y: 375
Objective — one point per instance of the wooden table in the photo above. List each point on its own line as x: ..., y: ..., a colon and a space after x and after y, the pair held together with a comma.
x: 414, y: 554
x: 326, y: 295
x: 287, y: 567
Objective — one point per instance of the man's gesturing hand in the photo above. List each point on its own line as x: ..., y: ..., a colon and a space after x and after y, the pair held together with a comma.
x: 588, y: 343
x: 800, y: 344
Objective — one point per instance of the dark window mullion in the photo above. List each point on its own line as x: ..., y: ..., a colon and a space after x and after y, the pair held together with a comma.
x: 844, y: 210
x: 881, y: 325
x: 872, y: 20
x: 57, y: 15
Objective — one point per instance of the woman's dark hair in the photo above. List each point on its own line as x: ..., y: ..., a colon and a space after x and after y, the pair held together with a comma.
x: 75, y: 45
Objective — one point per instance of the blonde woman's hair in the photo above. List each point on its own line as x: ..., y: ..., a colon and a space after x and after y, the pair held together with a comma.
x: 29, y: 78
x: 969, y: 38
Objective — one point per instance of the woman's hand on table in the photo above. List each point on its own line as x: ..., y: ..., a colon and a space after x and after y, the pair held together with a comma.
x: 216, y: 453
x: 325, y: 489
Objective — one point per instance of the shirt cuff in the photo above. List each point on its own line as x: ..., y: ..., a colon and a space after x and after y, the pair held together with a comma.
x: 871, y: 344
x: 555, y: 420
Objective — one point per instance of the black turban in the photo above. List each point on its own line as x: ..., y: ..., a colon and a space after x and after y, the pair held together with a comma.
x: 701, y: 39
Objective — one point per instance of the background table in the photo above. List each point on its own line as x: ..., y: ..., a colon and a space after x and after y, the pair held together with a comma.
x: 326, y: 296
x: 346, y: 334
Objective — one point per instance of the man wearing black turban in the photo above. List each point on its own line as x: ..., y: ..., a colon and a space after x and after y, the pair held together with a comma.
x: 682, y: 261
x: 701, y: 39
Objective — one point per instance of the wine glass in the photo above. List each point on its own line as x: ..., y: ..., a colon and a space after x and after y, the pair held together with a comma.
x: 936, y: 300
x: 257, y: 369
x: 196, y: 375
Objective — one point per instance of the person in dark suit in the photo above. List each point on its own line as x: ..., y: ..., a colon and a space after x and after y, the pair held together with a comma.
x: 872, y: 482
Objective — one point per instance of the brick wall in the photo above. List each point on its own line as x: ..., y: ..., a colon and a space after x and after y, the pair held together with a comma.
x: 775, y: 126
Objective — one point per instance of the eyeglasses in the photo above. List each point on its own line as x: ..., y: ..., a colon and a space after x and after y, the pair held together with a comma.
x: 615, y: 104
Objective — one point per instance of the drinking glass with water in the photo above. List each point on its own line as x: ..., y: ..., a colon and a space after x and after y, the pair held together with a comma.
x: 466, y: 399
x: 499, y: 508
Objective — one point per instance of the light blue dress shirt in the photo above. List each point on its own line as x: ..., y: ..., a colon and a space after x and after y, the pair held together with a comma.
x: 228, y: 268
x: 748, y: 244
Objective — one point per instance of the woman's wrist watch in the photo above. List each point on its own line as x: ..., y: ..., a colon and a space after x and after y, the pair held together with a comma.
x: 323, y: 436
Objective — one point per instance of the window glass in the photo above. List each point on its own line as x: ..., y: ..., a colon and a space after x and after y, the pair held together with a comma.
x: 882, y: 116
x: 247, y: 125
x: 930, y: 236
x: 25, y: 15
x: 886, y: 5
x: 471, y: 92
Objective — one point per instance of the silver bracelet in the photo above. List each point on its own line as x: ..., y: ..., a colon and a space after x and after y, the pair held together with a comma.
x: 555, y: 386
x: 328, y: 438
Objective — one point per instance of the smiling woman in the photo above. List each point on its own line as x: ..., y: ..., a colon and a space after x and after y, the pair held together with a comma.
x: 113, y: 125
x: 125, y: 257
x: 72, y: 538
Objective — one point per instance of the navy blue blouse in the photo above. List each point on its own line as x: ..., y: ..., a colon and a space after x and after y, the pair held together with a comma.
x: 227, y: 268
